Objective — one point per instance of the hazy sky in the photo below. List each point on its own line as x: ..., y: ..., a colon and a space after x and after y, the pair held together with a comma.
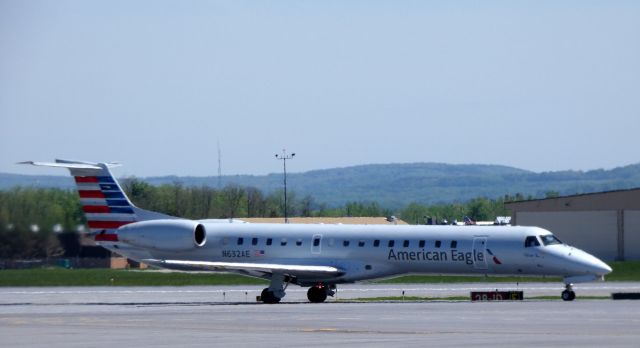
x: 540, y: 85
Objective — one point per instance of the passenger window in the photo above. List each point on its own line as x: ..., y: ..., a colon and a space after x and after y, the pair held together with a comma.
x: 283, y: 241
x: 254, y: 241
x: 376, y: 243
x: 454, y: 244
x: 240, y: 241
x: 391, y: 243
x: 421, y: 244
x: 438, y: 243
x: 345, y: 243
x: 269, y: 241
x: 405, y: 244
x: 361, y: 243
x: 299, y: 242
x: 531, y: 241
x: 316, y: 242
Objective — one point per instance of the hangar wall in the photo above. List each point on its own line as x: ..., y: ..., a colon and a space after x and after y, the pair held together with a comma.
x: 605, y: 224
x: 632, y: 234
x: 595, y: 232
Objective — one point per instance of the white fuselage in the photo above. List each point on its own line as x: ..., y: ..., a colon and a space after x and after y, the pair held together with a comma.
x: 377, y: 251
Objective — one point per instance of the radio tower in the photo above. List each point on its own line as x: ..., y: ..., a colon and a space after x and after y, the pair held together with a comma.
x: 219, y: 167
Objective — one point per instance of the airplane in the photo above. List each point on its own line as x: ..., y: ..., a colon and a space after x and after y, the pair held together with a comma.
x: 318, y: 256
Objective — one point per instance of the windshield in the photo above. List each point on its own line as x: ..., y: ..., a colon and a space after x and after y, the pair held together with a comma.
x: 550, y: 239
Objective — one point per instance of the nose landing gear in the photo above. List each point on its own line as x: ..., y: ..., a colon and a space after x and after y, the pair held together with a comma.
x: 568, y: 294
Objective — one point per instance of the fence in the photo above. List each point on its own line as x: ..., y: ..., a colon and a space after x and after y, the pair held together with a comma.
x: 77, y: 262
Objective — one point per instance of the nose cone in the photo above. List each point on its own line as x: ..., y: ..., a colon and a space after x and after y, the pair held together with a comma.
x: 600, y: 268
x: 578, y: 263
x: 591, y: 264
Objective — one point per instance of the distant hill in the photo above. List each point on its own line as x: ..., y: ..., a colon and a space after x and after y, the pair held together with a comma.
x: 395, y: 185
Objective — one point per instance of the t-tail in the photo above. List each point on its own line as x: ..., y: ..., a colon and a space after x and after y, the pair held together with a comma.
x: 104, y: 203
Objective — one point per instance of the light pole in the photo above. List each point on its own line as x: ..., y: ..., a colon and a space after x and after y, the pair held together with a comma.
x: 284, y: 157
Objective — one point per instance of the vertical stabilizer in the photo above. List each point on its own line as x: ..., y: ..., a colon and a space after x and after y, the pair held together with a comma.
x: 104, y: 203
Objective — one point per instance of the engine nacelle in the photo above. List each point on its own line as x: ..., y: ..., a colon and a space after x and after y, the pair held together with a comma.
x: 168, y: 235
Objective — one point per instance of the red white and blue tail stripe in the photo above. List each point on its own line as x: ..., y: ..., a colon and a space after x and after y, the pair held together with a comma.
x: 105, y: 205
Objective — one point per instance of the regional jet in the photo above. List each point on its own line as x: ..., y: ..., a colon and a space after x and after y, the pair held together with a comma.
x: 318, y: 256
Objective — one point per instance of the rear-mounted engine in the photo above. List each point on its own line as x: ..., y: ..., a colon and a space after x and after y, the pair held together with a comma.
x: 169, y: 235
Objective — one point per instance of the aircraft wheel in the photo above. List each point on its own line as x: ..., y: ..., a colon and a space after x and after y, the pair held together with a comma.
x: 568, y: 295
x: 267, y: 296
x: 317, y: 294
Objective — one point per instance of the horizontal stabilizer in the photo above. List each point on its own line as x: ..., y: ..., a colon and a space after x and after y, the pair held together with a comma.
x: 60, y: 163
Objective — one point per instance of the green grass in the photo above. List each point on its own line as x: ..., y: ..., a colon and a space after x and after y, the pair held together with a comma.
x: 459, y: 298
x: 408, y: 298
x: 622, y: 271
x: 102, y: 277
x: 578, y: 297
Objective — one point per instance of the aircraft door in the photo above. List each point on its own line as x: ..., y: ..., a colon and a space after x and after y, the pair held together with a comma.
x: 480, y: 252
x: 316, y: 244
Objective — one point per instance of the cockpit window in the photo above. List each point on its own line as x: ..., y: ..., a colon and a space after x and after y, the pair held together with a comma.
x: 531, y: 241
x: 550, y: 239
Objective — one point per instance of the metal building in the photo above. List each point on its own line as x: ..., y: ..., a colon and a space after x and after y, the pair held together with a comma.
x: 605, y: 224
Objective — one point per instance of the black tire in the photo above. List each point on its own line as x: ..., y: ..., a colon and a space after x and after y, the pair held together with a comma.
x: 316, y: 294
x: 568, y: 295
x: 267, y: 296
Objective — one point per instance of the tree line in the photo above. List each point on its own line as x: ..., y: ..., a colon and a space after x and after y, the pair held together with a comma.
x: 235, y: 201
x: 30, y: 217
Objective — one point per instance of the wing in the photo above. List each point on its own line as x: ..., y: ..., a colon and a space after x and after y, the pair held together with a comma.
x: 297, y: 271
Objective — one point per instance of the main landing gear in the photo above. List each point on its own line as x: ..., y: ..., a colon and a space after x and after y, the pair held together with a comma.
x: 268, y: 296
x: 568, y: 294
x: 275, y: 292
x: 318, y: 293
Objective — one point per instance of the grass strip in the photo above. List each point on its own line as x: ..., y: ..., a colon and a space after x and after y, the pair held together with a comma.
x: 112, y: 277
x: 458, y: 298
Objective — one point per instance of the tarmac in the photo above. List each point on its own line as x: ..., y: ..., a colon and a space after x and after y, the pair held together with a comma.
x: 229, y: 316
